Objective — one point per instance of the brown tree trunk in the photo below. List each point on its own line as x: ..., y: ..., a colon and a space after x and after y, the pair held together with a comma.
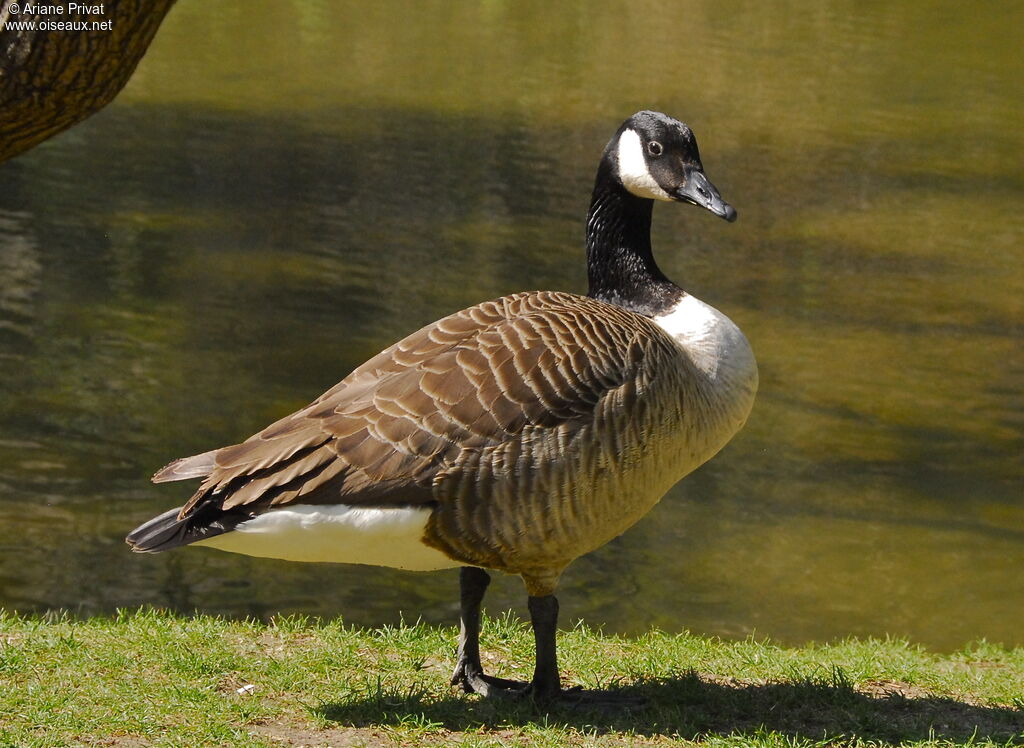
x: 53, y: 79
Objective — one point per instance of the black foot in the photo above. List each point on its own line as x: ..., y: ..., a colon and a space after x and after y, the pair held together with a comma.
x: 473, y: 679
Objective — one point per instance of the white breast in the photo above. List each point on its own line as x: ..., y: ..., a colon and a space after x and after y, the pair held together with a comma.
x: 338, y: 533
x: 713, y: 342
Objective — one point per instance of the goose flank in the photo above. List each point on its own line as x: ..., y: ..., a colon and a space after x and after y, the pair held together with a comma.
x: 515, y: 435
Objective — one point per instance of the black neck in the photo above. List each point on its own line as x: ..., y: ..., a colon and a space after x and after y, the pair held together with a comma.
x: 620, y: 265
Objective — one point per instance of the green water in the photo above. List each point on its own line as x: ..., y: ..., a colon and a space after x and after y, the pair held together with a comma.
x: 285, y: 188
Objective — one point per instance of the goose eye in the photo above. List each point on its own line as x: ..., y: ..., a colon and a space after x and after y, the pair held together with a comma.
x: 654, y: 148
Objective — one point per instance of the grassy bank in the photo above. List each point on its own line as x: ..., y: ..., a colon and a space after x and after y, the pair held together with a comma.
x: 150, y: 678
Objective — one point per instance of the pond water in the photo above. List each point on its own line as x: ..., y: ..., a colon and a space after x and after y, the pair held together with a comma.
x: 286, y: 188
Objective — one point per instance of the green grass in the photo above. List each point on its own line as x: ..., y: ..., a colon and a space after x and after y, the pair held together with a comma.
x: 151, y: 678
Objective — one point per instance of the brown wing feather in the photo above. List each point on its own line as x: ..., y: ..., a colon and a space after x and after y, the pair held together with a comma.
x: 468, y: 381
x: 196, y: 466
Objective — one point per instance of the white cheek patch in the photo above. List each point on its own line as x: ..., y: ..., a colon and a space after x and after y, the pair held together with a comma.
x: 633, y: 171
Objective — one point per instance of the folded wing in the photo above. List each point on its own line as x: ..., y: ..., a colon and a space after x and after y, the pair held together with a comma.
x: 474, y: 379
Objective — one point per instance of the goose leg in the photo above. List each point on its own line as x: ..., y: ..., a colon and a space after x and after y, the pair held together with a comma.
x: 546, y: 686
x: 469, y: 673
x: 544, y: 619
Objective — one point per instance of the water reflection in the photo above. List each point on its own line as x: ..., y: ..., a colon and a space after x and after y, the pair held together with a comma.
x: 214, y: 251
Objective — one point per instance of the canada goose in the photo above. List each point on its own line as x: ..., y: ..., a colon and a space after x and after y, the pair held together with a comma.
x: 516, y: 435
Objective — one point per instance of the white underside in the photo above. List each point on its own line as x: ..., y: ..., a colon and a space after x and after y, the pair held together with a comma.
x: 338, y: 534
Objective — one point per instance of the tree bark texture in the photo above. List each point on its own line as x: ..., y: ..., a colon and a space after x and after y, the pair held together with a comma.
x: 51, y: 80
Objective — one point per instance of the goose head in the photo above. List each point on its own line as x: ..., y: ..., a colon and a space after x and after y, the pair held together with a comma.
x: 655, y: 156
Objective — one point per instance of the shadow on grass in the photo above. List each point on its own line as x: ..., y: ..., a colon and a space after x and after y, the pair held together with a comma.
x: 692, y: 707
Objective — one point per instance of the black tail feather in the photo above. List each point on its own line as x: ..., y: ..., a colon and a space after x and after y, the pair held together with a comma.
x: 160, y: 533
x: 166, y: 531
